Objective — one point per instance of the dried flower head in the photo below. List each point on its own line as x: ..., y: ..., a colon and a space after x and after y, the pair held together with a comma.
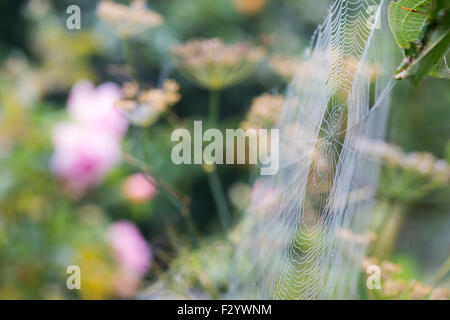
x: 422, y: 163
x: 128, y: 21
x: 284, y: 66
x: 143, y: 107
x: 130, y: 90
x: 395, y: 286
x: 356, y: 238
x: 264, y: 112
x: 440, y: 294
x: 287, y: 67
x: 214, y: 65
x: 368, y: 70
x: 417, y: 173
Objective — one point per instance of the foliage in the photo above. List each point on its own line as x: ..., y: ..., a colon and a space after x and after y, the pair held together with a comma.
x: 422, y: 29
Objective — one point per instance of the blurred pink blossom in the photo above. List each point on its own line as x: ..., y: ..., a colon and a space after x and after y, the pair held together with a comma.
x: 130, y: 248
x: 82, y: 156
x: 126, y: 284
x: 138, y: 189
x: 94, y: 107
x: 88, y: 147
x: 132, y: 253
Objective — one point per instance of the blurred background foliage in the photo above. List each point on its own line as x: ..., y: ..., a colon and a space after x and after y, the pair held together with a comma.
x: 45, y: 227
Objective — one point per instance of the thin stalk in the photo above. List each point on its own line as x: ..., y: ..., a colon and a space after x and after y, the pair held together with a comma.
x: 220, y: 200
x: 441, y: 273
x: 127, y: 50
x: 180, y: 201
x: 176, y: 198
x: 387, y: 237
x: 213, y: 177
x: 214, y: 102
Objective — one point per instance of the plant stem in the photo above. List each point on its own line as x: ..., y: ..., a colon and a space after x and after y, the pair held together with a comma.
x: 214, y: 102
x: 127, y: 50
x: 178, y: 200
x: 213, y: 176
x: 387, y: 236
x: 220, y: 200
x: 441, y: 273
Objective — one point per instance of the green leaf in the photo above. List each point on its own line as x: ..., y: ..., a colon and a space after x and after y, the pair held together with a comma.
x: 421, y: 29
x: 428, y: 59
x: 407, y: 19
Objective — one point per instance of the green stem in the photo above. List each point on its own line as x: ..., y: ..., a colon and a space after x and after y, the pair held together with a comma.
x: 213, y: 177
x: 127, y: 50
x: 214, y: 102
x: 220, y: 200
x: 441, y: 273
x: 387, y: 236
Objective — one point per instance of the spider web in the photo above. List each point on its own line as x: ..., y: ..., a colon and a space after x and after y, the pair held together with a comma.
x: 290, y: 243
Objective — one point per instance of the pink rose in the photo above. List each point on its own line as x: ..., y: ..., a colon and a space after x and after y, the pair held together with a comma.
x: 137, y: 188
x: 130, y: 249
x: 88, y: 147
x: 132, y: 254
x: 82, y: 156
x: 94, y: 107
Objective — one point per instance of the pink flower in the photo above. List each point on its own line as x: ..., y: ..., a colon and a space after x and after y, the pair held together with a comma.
x: 88, y: 147
x: 130, y: 249
x: 138, y: 189
x: 126, y: 284
x: 83, y: 156
x: 94, y: 107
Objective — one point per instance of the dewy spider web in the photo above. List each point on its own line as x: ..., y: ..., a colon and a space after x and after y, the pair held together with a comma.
x: 299, y: 237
